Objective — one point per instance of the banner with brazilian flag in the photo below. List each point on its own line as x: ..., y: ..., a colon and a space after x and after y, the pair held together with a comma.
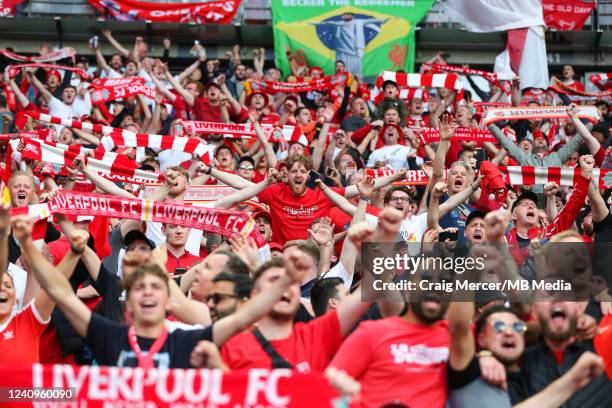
x: 369, y: 36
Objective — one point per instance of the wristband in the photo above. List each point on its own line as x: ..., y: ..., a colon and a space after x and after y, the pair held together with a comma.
x: 72, y: 179
x: 484, y: 353
x: 209, y: 171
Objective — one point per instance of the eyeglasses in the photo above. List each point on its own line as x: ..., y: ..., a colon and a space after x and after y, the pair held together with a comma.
x: 518, y: 327
x: 402, y: 199
x: 216, y: 298
x: 246, y: 167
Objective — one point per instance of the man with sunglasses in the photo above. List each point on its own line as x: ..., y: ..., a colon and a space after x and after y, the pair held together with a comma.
x: 229, y: 292
x: 500, y: 334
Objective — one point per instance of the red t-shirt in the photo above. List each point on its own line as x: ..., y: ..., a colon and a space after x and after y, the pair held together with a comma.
x: 603, y: 343
x: 397, y: 360
x: 310, y: 347
x: 20, y: 337
x: 204, y: 111
x: 186, y: 261
x: 180, y: 107
x: 293, y: 215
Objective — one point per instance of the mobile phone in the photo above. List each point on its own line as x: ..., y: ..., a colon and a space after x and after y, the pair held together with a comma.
x: 329, y: 172
x: 179, y: 271
x: 448, y: 235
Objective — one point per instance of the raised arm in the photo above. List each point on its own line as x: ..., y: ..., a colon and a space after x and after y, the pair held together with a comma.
x: 588, y: 367
x: 456, y: 199
x: 380, y: 182
x: 39, y: 85
x: 23, y: 100
x: 116, y: 45
x: 248, y: 192
x: 516, y: 152
x: 187, y: 97
x: 261, y: 137
x: 446, y: 132
x: 51, y: 280
x: 103, y: 184
x: 582, y: 130
x: 433, y: 211
x: 337, y: 199
x: 101, y: 61
x: 598, y: 205
x: 232, y: 180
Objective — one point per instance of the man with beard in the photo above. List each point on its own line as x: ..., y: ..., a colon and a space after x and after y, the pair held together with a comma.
x: 294, y: 206
x: 558, y: 350
x: 501, y: 333
x: 228, y: 293
x: 405, y: 359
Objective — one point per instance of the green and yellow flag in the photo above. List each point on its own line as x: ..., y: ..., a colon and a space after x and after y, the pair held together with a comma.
x: 369, y: 36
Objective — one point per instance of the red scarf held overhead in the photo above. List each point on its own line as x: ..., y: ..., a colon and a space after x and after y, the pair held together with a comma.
x: 560, y: 87
x: 271, y: 87
x: 214, y: 220
x: 111, y: 89
x: 431, y: 135
x: 13, y: 70
x: 66, y: 52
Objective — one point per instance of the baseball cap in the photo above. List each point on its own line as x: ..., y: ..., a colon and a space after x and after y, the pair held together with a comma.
x: 473, y: 215
x: 263, y: 213
x: 526, y: 195
x: 389, y: 82
x: 246, y: 159
x: 275, y: 245
x: 137, y: 235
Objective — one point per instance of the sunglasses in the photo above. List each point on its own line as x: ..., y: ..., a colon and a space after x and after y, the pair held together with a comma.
x: 246, y: 168
x: 518, y: 327
x: 216, y: 298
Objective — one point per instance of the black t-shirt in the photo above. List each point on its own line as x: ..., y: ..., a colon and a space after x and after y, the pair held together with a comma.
x: 110, y: 346
x: 109, y: 287
x: 51, y: 234
x: 603, y: 229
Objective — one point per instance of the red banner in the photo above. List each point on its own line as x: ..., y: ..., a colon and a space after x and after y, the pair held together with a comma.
x: 567, y: 15
x: 7, y: 7
x: 93, y: 387
x: 430, y: 135
x: 214, y: 12
x: 110, y: 89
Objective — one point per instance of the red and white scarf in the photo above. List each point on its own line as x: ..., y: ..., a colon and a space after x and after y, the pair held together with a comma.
x: 271, y: 87
x: 492, y: 77
x: 66, y: 52
x: 563, y: 176
x: 540, y: 112
x: 107, y: 164
x: 110, y: 89
x: 125, y: 138
x: 515, y: 175
x: 450, y: 81
x: 559, y: 86
x: 13, y: 70
x: 599, y: 78
x: 273, y: 134
x: 430, y: 135
x: 213, y: 220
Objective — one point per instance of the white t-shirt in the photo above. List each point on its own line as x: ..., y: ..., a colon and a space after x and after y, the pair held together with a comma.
x: 396, y: 156
x: 411, y: 230
x: 80, y: 107
x: 339, y: 271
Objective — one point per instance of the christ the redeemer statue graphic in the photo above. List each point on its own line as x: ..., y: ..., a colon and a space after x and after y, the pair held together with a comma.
x: 349, y: 37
